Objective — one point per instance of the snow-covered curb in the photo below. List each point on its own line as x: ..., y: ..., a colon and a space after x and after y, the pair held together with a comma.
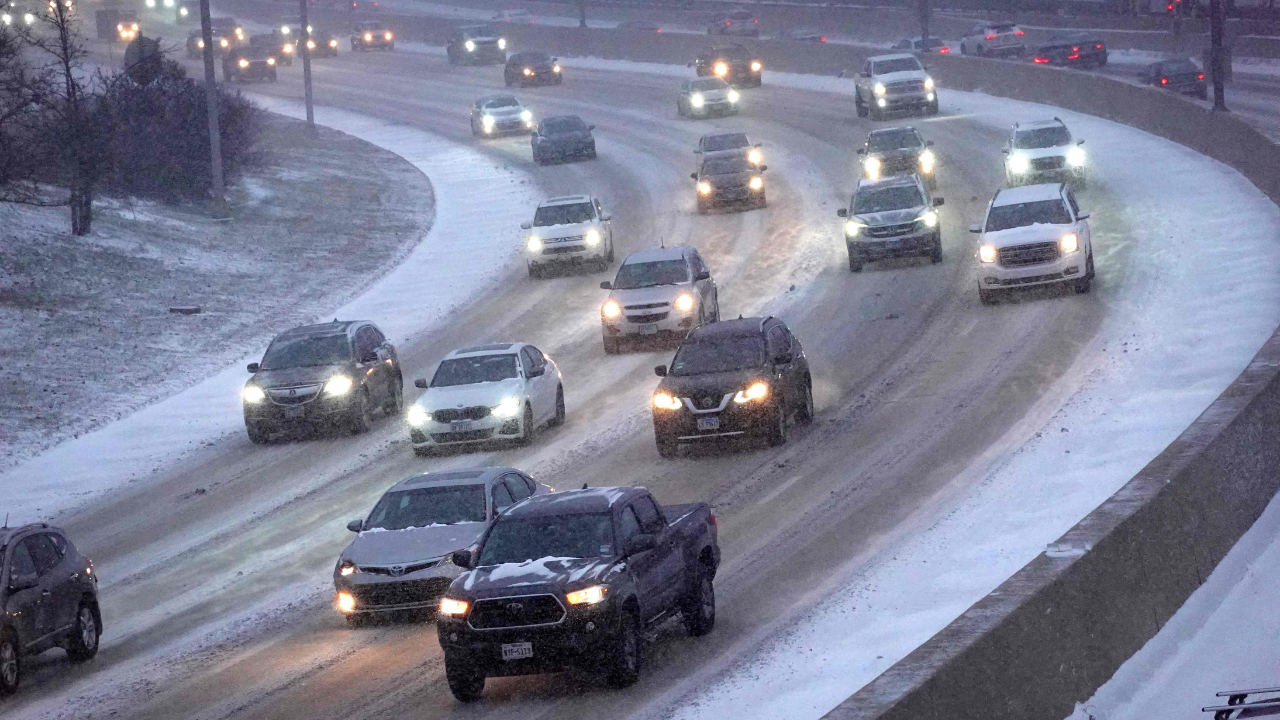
x: 471, y: 245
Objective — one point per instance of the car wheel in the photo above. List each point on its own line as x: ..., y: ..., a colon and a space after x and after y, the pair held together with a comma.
x: 855, y: 261
x: 83, y: 643
x: 611, y: 346
x: 988, y: 297
x: 558, y: 420
x: 1088, y: 265
x: 475, y: 131
x: 859, y: 106
x: 465, y: 682
x: 360, y: 421
x: 1085, y: 284
x: 667, y: 448
x: 535, y: 272
x: 935, y: 255
x: 10, y: 663
x: 763, y: 202
x: 700, y: 607
x: 964, y: 49
x: 608, y: 258
x: 804, y: 414
x: 933, y: 108
x: 776, y: 434
x: 591, y: 155
x: 356, y: 620
x: 257, y: 433
x: 527, y: 430
x: 702, y: 208
x: 395, y: 400
x: 506, y: 79
x: 624, y: 666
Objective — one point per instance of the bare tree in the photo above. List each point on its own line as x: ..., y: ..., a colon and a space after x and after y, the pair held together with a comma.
x: 21, y: 91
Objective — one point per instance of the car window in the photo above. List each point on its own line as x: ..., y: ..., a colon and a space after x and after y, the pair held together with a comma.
x: 526, y: 359
x: 528, y: 481
x: 777, y: 340
x: 568, y: 214
x: 307, y: 352
x: 628, y: 525
x: 476, y: 369
x: 905, y: 64
x: 893, y: 140
x: 502, y: 102
x: 651, y: 274
x: 517, y: 487
x: 728, y: 141
x: 42, y: 552
x: 726, y: 165
x: 718, y: 354
x: 1045, y: 137
x: 695, y: 261
x: 501, y: 496
x: 424, y: 507
x: 539, y: 358
x: 708, y: 84
x: 364, y: 342
x: 902, y: 45
x: 520, y: 539
x: 1047, y: 212
x: 1075, y: 207
x: 650, y: 520
x: 21, y: 562
x: 899, y: 197
x: 59, y: 543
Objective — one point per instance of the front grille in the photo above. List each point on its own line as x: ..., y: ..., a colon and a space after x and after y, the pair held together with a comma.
x: 898, y: 166
x: 706, y: 401
x: 561, y: 250
x: 452, y: 415
x: 570, y: 238
x: 400, y: 593
x: 650, y: 318
x: 516, y: 612
x: 1024, y: 255
x: 903, y: 87
x: 1048, y: 163
x: 888, y: 231
x: 1033, y: 279
x: 295, y: 395
x: 646, y: 306
x: 468, y: 436
x: 390, y: 570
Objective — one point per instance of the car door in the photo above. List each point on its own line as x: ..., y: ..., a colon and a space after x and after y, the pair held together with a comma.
x: 366, y: 353
x: 668, y: 562
x: 1083, y: 232
x: 642, y: 566
x: 705, y: 285
x: 388, y: 362
x: 501, y: 497
x: 516, y: 485
x: 605, y: 221
x: 531, y: 384
x: 63, y: 598
x: 542, y: 383
x: 24, y: 605
x: 779, y: 347
x: 798, y: 368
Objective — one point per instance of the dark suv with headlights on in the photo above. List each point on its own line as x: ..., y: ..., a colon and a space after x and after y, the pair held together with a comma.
x: 898, y: 151
x: 734, y: 379
x: 278, y: 44
x: 331, y: 374
x: 532, y: 68
x: 401, y: 559
x: 729, y: 180
x: 571, y: 580
x: 894, y: 217
x: 732, y: 63
x: 48, y: 598
x: 372, y: 36
x: 249, y: 62
x: 561, y: 137
x: 476, y: 44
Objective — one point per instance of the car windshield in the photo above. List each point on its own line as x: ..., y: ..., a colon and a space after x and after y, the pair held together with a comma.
x: 731, y: 54
x: 307, y: 352
x: 651, y: 274
x: 893, y: 140
x: 532, y: 58
x: 707, y: 84
x: 516, y: 540
x: 900, y: 197
x: 1050, y: 212
x: 1179, y: 66
x: 720, y: 354
x: 1045, y: 137
x: 502, y: 102
x: 475, y: 369
x: 480, y: 31
x: 570, y: 214
x: 560, y: 126
x: 255, y: 52
x: 906, y: 64
x: 725, y: 165
x: 732, y: 141
x: 428, y: 506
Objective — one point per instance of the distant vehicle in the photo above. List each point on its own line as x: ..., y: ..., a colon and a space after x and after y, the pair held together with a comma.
x: 494, y: 115
x: 1072, y: 49
x: 729, y: 180
x: 227, y: 27
x: 898, y: 151
x: 400, y: 560
x: 333, y: 374
x: 321, y: 43
x: 501, y: 391
x: 279, y: 45
x: 1035, y: 235
x: 186, y: 11
x: 153, y: 4
x: 48, y: 598
x: 291, y: 25
x: 640, y: 26
x: 224, y: 37
x: 1179, y: 75
x: 732, y: 63
x: 372, y: 36
x: 666, y: 292
x: 802, y: 35
x: 918, y: 44
x: 532, y: 68
x: 249, y: 62
x: 739, y: 379
x: 734, y: 143
x: 572, y: 580
x: 476, y: 44
x: 741, y: 23
x: 562, y: 137
x: 14, y: 13
x: 705, y: 97
x: 890, y: 83
x: 994, y: 39
x: 892, y: 217
x: 569, y: 229
x: 127, y: 28
x: 1041, y: 151
x: 514, y: 16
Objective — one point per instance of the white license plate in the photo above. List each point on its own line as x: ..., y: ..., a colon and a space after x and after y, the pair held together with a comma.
x: 460, y: 425
x: 293, y: 412
x: 649, y: 329
x: 708, y: 423
x: 517, y: 651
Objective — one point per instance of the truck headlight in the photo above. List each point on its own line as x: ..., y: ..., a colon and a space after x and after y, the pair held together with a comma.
x: 271, y: 61
x: 1075, y: 157
x: 347, y: 568
x: 754, y: 156
x: 224, y: 43
x: 183, y: 11
x: 756, y: 183
x: 243, y: 63
x: 592, y: 238
x: 288, y: 48
x: 200, y: 44
x: 756, y: 66
x: 346, y: 603
x: 1018, y: 163
x: 852, y: 228
x: 386, y: 36
x: 756, y: 391
x: 732, y: 96
x: 928, y: 83
x: 284, y: 30
x: 311, y: 44
x: 368, y: 37
x: 926, y: 161
x: 663, y: 401
x: 721, y: 69
x: 1069, y: 243
x: 704, y: 188
x: 453, y: 608
x: 338, y: 385
x: 333, y: 43
x: 684, y: 303
x: 509, y: 407
x: 528, y: 71
x: 929, y: 218
x: 526, y: 116
x: 610, y: 309
x: 502, y: 43
x: 871, y: 166
x: 593, y: 595
x: 879, y: 89
x: 555, y: 68
x: 697, y: 100
x: 987, y: 253
x: 253, y: 394
x: 534, y: 244
x: 417, y: 416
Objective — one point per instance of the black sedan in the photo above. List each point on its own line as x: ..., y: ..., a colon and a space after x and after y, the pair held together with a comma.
x: 372, y: 36
x: 732, y: 63
x: 1180, y: 75
x: 1076, y: 49
x: 562, y: 136
x: 322, y: 44
x: 734, y: 379
x: 249, y: 62
x: 729, y: 180
x: 532, y: 68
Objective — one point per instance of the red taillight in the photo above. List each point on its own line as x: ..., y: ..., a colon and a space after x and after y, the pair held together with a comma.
x: 1019, y: 32
x: 1041, y: 60
x: 659, y: 29
x: 728, y: 22
x: 755, y: 21
x: 1098, y: 46
x: 991, y: 37
x: 1074, y: 57
x: 1075, y: 49
x: 822, y: 39
x: 1164, y: 81
x: 1201, y: 76
x: 944, y: 51
x: 713, y: 521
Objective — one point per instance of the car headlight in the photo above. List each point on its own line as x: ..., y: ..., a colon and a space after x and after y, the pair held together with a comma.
x: 528, y: 71
x: 593, y: 595
x: 284, y: 30
x: 368, y: 37
x: 244, y: 63
x: 721, y: 69
x: 534, y: 244
x: 1018, y: 163
x: 732, y: 96
x: 271, y: 61
x: 502, y: 43
x: 592, y: 237
x: 756, y: 66
x: 386, y: 36
x: 200, y: 44
x: 253, y: 394
x: 929, y: 218
x: 168, y: 3
x: 871, y: 166
x: 756, y: 183
x: 754, y: 156
x: 697, y: 100
x: 879, y: 89
x: 987, y: 253
x: 1075, y: 156
x: 183, y: 11
x: 704, y: 188
x: 347, y: 568
x: 526, y: 116
x: 333, y: 43
x: 555, y: 68
x: 28, y: 18
x: 151, y: 3
x: 224, y: 42
x: 311, y: 44
x: 926, y: 161
x: 487, y: 120
x: 417, y: 416
x: 1069, y: 243
x: 507, y: 408
x: 756, y: 391
x: 852, y: 228
x: 288, y: 48
x: 453, y: 608
x: 663, y: 401
x: 346, y: 603
x: 338, y: 385
x: 684, y: 303
x: 611, y: 309
x: 928, y: 83
x: 6, y: 18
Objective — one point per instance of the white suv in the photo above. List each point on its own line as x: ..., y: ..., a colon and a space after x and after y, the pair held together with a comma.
x: 1033, y: 235
x: 502, y: 391
x: 1041, y: 151
x: 994, y: 39
x: 569, y: 229
x: 667, y: 291
x: 889, y: 83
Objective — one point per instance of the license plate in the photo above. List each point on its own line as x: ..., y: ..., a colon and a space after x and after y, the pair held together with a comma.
x: 708, y: 423
x: 649, y: 329
x: 460, y: 425
x: 517, y: 651
x: 293, y: 412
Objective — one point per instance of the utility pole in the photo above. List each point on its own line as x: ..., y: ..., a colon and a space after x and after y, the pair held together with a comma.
x: 925, y: 11
x: 305, y: 31
x: 1215, y: 55
x: 582, y: 13
x: 219, y: 210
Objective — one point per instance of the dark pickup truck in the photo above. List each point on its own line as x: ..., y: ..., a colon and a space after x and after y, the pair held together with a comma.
x: 571, y: 579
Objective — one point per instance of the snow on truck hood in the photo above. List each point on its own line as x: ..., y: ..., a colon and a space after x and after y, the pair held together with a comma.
x: 558, y: 571
x: 457, y: 396
x: 901, y: 75
x: 410, y: 545
x: 1039, y: 232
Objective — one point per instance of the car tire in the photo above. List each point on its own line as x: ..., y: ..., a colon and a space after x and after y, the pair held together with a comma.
x: 10, y: 663
x: 609, y: 257
x: 932, y: 109
x: 82, y: 645
x: 1083, y: 285
x: 667, y: 448
x: 257, y: 434
x: 356, y: 620
x: 612, y: 345
x: 804, y: 413
x: 395, y: 399
x: 855, y: 261
x: 465, y: 682
x: 558, y: 420
x: 624, y: 665
x: 763, y: 202
x: 535, y: 272
x: 776, y: 433
x: 702, y: 208
x: 592, y: 155
x: 935, y: 255
x: 527, y: 430
x: 964, y: 49
x: 699, y: 611
x: 860, y: 106
x: 359, y: 421
x: 988, y: 297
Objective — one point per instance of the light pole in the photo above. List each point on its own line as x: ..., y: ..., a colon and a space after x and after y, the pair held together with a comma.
x: 219, y: 191
x: 305, y: 31
x: 1215, y: 56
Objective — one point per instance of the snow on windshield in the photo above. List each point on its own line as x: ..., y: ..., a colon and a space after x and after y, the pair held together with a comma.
x: 478, y: 369
x: 427, y: 507
x: 1046, y: 212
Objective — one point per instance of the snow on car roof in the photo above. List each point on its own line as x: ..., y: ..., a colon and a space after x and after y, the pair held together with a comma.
x: 1027, y: 193
x: 587, y: 500
x: 894, y: 56
x: 891, y: 181
x: 502, y: 96
x: 1032, y: 124
x: 474, y: 476
x: 482, y: 349
x: 655, y: 254
x: 565, y: 200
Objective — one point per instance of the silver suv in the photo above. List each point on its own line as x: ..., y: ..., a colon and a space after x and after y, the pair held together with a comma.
x: 894, y: 217
x: 890, y: 83
x: 661, y: 292
x: 567, y: 230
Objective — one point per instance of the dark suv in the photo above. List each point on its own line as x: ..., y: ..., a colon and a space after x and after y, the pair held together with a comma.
x: 476, y: 44
x: 332, y: 374
x: 741, y: 378
x: 732, y: 63
x: 48, y: 598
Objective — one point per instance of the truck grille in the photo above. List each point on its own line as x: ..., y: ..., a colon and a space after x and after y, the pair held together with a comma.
x: 1048, y: 163
x: 296, y: 395
x: 468, y: 436
x: 650, y: 318
x: 400, y: 593
x: 887, y: 231
x: 520, y: 611
x: 452, y: 415
x: 706, y: 401
x: 903, y: 87
x: 561, y: 249
x: 1024, y: 255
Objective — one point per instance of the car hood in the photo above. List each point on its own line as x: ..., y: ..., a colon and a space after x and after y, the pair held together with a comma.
x: 569, y: 138
x: 548, y: 574
x: 1027, y: 234
x: 503, y: 113
x: 898, y: 154
x: 738, y: 178
x: 297, y: 375
x: 894, y: 77
x: 718, y: 384
x: 649, y: 295
x: 1033, y: 153
x: 551, y: 232
x: 718, y: 95
x: 487, y: 394
x: 401, y: 547
x: 892, y: 217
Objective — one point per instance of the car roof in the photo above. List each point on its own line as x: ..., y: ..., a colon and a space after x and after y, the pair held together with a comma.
x: 337, y: 327
x: 574, y: 502
x: 893, y: 56
x: 530, y: 54
x: 888, y: 182
x: 893, y: 130
x: 499, y: 96
x: 442, y: 478
x: 486, y: 349
x: 1035, y: 124
x: 565, y: 200
x: 656, y: 254
x: 8, y: 534
x: 743, y: 135
x: 752, y: 326
x: 1027, y: 193
x: 369, y: 24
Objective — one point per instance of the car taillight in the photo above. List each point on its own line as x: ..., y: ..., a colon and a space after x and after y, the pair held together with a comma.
x: 1019, y: 32
x: 822, y: 39
x: 1075, y: 49
x: 1164, y: 81
x: 1098, y: 46
x: 1073, y: 57
x: 1041, y: 60
x: 755, y: 21
x: 991, y: 37
x: 1201, y: 76
x: 945, y: 50
x: 713, y: 521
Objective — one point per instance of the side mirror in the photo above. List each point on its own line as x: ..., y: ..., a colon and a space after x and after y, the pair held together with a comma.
x: 526, y: 225
x: 939, y: 202
x: 369, y: 358
x: 555, y: 59
x: 1079, y: 142
x: 1005, y: 151
x: 862, y: 151
x: 759, y: 145
x: 703, y: 275
x: 538, y: 372
x: 23, y: 582
x: 606, y: 217
x: 253, y: 367
x: 355, y: 526
x: 461, y: 558
x: 660, y: 371
x: 928, y: 143
x: 975, y: 228
x: 865, y: 74
x: 842, y: 212
x: 420, y: 383
x: 591, y: 127
x: 606, y: 285
x: 641, y: 543
x: 693, y: 176
x: 1084, y: 216
x: 763, y: 168
x: 783, y: 358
